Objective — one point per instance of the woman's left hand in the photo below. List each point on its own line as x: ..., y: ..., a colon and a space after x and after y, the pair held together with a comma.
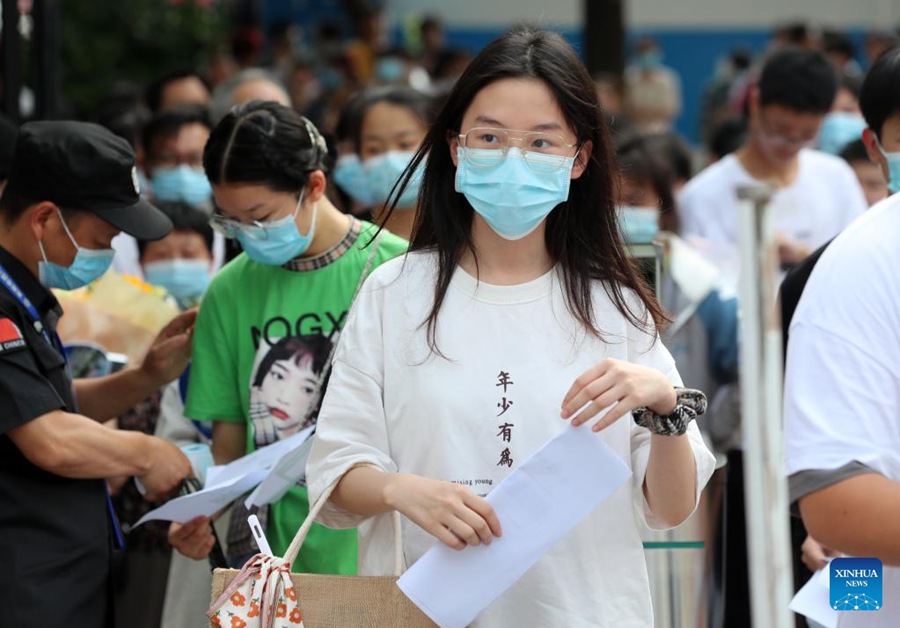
x: 627, y: 385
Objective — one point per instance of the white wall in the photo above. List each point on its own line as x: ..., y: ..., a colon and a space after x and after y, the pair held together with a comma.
x: 493, y: 13
x: 762, y: 13
x: 659, y: 13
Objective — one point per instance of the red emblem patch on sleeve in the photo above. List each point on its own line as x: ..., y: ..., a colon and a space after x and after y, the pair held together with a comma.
x: 10, y: 336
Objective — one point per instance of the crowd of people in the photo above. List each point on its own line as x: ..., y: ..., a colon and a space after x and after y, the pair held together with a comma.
x: 375, y: 242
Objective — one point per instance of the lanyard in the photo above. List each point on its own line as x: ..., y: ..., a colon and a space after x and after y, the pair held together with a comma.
x: 10, y: 284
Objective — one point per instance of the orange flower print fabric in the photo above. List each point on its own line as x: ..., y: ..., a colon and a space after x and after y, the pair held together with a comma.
x: 260, y: 596
x: 237, y: 599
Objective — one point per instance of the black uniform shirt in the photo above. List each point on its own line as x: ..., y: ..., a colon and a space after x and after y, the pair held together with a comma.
x: 54, y: 531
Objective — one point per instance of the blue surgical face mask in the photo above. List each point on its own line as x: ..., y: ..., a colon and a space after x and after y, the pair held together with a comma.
x: 893, y: 162
x: 278, y: 242
x: 390, y: 70
x: 383, y: 171
x: 513, y: 197
x: 184, y: 279
x: 638, y: 225
x: 349, y: 175
x: 839, y: 129
x: 649, y: 59
x: 330, y: 78
x: 181, y: 183
x: 87, y: 266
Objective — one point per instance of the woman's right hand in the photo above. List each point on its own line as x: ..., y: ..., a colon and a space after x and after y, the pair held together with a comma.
x: 451, y: 513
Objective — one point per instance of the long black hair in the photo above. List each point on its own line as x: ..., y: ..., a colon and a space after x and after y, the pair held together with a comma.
x: 582, y: 234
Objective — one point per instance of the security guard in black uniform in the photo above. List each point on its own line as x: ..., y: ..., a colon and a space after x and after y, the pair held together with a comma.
x: 73, y: 186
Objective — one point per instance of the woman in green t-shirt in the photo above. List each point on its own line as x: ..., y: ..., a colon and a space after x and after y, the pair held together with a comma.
x: 270, y: 319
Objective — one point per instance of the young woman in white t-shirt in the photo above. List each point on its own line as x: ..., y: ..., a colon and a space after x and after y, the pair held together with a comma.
x: 516, y: 310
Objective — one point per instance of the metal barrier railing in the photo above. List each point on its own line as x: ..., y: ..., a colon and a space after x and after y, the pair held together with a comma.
x: 761, y: 374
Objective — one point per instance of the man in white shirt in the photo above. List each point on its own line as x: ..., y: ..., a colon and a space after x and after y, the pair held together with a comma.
x: 817, y: 194
x: 842, y: 386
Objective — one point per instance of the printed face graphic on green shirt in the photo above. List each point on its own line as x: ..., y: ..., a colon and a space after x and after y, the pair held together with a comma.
x: 286, y: 386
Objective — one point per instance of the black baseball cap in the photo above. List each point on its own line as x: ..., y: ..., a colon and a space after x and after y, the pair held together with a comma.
x: 83, y: 166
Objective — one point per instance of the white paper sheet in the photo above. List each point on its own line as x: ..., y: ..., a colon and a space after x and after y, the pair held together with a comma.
x: 537, y: 505
x: 226, y: 483
x: 206, y: 502
x: 260, y: 460
x: 813, y: 600
x: 289, y: 470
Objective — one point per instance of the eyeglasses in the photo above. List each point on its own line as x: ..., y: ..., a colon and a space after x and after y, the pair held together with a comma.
x: 255, y: 229
x: 230, y: 228
x: 543, y: 152
x: 777, y: 139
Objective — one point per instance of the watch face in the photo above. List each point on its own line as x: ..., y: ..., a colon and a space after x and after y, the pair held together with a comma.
x: 87, y: 360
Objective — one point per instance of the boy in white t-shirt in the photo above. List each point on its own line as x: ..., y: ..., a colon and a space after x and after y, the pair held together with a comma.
x: 817, y: 194
x: 842, y: 384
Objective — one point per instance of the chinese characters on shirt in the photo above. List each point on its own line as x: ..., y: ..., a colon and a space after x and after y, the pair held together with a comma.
x: 505, y: 432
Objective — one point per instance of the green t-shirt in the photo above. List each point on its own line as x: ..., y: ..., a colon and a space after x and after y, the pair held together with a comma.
x: 262, y: 339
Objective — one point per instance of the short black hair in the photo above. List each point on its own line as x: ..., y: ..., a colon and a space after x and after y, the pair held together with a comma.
x: 796, y: 33
x: 879, y: 97
x: 170, y: 121
x: 446, y: 59
x: 13, y: 205
x: 851, y: 82
x: 839, y: 43
x: 184, y: 217
x: 8, y: 134
x: 741, y: 58
x: 154, y: 93
x: 671, y: 147
x: 854, y: 152
x: 727, y: 136
x: 431, y: 23
x: 800, y: 79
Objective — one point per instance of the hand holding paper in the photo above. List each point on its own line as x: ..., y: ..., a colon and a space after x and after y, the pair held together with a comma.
x: 537, y: 505
x: 226, y: 483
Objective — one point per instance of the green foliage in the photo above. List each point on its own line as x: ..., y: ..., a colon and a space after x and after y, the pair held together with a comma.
x: 110, y: 42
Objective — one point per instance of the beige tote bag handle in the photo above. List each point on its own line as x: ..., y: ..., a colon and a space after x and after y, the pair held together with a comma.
x: 294, y: 548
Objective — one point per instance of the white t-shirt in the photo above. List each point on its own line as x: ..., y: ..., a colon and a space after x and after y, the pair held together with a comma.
x: 511, y: 353
x: 842, y: 381
x: 824, y: 198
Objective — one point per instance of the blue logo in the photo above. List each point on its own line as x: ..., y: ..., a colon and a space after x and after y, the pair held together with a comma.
x: 856, y: 584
